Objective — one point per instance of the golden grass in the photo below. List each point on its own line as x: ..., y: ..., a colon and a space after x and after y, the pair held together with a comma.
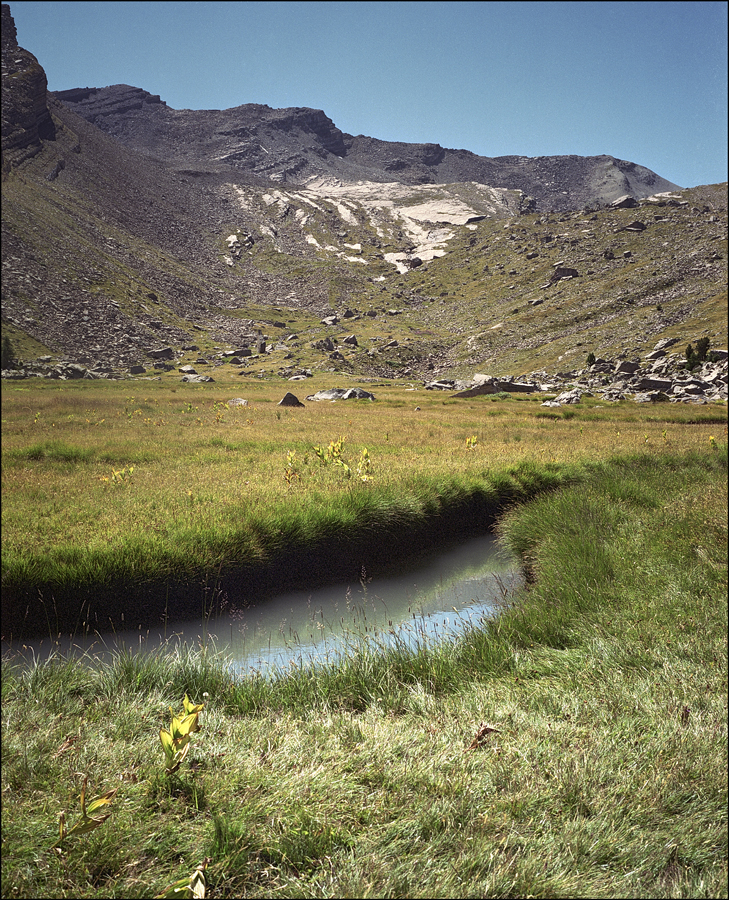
x: 197, y: 462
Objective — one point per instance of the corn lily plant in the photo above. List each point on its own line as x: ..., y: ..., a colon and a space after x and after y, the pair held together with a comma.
x: 194, y: 886
x: 88, y: 821
x: 176, y: 741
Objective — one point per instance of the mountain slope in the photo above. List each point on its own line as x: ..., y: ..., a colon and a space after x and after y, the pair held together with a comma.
x: 157, y: 227
x: 299, y: 144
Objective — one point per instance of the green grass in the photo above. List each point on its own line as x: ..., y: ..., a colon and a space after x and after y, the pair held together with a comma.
x: 152, y: 484
x: 606, y: 682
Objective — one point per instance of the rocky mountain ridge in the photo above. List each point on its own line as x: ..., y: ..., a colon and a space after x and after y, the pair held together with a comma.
x: 298, y: 144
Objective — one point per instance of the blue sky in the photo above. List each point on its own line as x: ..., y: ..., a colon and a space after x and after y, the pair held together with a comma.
x: 646, y: 82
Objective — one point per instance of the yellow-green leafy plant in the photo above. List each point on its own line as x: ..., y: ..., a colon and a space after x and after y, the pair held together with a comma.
x: 471, y: 442
x: 364, y: 467
x: 119, y: 476
x: 176, y: 741
x: 88, y: 821
x: 290, y: 473
x: 333, y: 454
x: 194, y: 886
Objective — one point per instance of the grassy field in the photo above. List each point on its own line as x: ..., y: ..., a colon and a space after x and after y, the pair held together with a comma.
x: 601, y: 766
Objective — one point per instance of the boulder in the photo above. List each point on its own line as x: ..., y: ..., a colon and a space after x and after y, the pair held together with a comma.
x: 484, y: 387
x: 342, y: 394
x: 665, y: 343
x: 197, y: 379
x: 573, y: 396
x: 517, y: 387
x: 442, y: 384
x: 624, y: 202
x: 326, y: 344
x: 162, y: 353
x: 654, y: 384
x: 561, y: 272
x: 612, y: 395
x: 237, y: 401
x: 290, y: 399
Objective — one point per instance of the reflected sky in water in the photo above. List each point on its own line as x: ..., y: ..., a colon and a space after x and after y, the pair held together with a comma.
x: 439, y: 598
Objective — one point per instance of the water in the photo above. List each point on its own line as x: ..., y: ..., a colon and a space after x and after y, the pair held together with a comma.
x: 440, y: 598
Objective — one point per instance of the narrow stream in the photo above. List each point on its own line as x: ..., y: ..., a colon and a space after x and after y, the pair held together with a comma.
x: 438, y: 599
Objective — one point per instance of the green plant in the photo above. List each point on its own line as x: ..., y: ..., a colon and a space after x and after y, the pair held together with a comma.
x: 471, y: 442
x: 119, y: 476
x: 290, y: 472
x: 8, y: 353
x: 87, y: 822
x: 695, y: 356
x: 333, y: 454
x: 590, y: 359
x: 194, y: 886
x: 176, y: 741
x: 364, y: 467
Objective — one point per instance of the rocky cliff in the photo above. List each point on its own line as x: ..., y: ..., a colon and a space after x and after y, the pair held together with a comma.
x: 26, y: 119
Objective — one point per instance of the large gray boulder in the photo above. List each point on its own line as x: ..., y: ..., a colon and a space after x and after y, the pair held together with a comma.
x: 342, y: 394
x: 162, y: 353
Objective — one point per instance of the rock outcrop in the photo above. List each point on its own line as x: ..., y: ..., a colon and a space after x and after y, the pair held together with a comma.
x: 26, y: 119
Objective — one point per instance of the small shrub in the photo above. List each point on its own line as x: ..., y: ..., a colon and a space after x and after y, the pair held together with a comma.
x: 695, y: 356
x: 8, y: 353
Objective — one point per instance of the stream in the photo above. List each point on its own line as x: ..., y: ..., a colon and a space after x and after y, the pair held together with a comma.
x: 440, y: 598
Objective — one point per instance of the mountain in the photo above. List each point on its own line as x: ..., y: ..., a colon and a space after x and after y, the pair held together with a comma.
x: 128, y: 227
x: 296, y: 145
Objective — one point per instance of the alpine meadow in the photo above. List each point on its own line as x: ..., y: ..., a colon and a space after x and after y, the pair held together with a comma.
x: 246, y: 353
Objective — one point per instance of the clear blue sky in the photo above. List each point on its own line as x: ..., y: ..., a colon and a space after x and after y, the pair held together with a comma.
x: 646, y: 82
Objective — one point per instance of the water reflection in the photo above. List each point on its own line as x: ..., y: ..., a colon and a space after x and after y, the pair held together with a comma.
x: 438, y: 599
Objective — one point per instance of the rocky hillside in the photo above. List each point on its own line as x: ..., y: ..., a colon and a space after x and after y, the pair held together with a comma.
x: 296, y: 145
x: 129, y: 229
